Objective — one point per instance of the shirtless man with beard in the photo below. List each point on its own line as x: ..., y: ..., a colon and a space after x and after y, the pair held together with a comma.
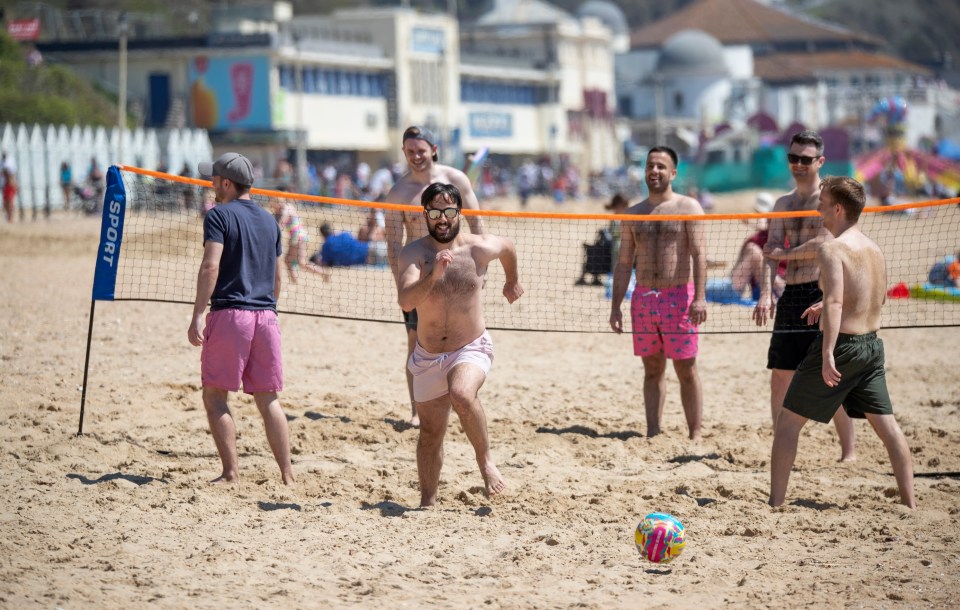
x: 442, y: 276
x: 669, y: 300
x: 420, y: 151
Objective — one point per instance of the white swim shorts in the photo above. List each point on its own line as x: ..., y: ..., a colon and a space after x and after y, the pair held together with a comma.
x: 430, y: 370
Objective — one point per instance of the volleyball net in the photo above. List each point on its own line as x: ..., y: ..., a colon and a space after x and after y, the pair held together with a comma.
x: 152, y: 243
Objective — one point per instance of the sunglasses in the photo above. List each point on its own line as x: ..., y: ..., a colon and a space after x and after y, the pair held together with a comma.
x: 801, y: 159
x: 434, y: 214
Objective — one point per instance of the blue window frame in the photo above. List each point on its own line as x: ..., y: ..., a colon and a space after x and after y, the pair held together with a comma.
x: 498, y: 92
x: 286, y: 78
x: 309, y: 85
x: 332, y: 81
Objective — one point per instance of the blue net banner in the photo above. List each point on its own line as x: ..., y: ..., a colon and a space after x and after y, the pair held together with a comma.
x: 111, y: 236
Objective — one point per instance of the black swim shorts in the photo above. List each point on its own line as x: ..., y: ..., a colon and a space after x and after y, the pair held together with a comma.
x: 410, y: 319
x: 792, y: 335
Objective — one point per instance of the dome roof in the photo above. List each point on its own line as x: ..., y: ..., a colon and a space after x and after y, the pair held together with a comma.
x: 607, y: 12
x: 514, y: 12
x: 692, y: 52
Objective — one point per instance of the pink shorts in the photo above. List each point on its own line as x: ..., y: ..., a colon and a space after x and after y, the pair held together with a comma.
x: 430, y: 370
x: 661, y: 324
x: 242, y: 345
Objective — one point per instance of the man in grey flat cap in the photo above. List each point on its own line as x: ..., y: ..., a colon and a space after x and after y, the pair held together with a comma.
x: 240, y: 277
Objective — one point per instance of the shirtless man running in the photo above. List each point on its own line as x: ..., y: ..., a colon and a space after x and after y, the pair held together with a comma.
x: 667, y: 306
x: 420, y: 151
x: 845, y: 364
x: 441, y: 275
x: 796, y: 241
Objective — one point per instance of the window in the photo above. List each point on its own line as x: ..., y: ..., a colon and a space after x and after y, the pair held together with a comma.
x: 309, y: 84
x: 286, y: 78
x: 428, y: 82
x: 320, y: 78
x: 498, y: 92
x: 331, y: 81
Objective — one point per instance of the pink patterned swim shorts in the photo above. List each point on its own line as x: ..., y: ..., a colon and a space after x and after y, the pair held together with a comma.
x: 661, y: 322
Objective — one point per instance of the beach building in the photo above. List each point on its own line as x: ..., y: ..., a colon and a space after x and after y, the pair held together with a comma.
x: 525, y: 80
x: 718, y: 65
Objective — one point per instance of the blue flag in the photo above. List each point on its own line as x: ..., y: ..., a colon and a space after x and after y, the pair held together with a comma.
x: 111, y: 234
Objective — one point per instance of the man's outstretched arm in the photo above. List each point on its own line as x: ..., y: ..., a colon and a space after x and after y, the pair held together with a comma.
x: 512, y: 289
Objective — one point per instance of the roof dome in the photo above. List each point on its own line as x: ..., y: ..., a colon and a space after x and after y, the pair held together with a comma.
x: 514, y: 12
x: 607, y: 12
x: 692, y: 53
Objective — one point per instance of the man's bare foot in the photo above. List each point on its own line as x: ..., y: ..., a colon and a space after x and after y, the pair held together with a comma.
x: 493, y: 480
x: 287, y: 479
x: 224, y: 479
x: 696, y: 436
x: 848, y: 458
x: 652, y: 432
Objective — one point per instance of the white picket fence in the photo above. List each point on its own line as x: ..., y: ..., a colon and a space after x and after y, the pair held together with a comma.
x: 39, y: 150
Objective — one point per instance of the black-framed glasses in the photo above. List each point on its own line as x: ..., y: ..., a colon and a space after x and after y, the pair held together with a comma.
x: 801, y: 159
x: 434, y: 214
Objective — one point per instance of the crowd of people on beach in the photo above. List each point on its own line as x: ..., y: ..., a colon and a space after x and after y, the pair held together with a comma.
x: 818, y: 279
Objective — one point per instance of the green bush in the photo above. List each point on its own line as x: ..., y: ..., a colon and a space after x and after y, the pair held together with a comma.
x: 47, y: 94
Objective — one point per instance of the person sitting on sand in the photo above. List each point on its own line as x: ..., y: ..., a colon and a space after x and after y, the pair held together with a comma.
x: 344, y: 250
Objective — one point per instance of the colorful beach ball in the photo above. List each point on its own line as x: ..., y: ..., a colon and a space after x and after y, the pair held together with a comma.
x: 660, y: 537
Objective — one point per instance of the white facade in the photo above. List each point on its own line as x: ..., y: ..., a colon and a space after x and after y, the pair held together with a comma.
x: 353, y: 80
x: 425, y: 55
x: 833, y: 97
x: 327, y: 121
x: 793, y: 103
x: 572, y: 62
x: 690, y: 82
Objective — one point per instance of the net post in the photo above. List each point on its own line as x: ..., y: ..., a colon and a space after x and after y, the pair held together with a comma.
x: 86, y: 366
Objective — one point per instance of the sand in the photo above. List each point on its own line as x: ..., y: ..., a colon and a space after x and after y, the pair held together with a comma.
x: 124, y: 515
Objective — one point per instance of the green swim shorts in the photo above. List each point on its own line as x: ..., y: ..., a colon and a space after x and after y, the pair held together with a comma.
x: 863, y: 382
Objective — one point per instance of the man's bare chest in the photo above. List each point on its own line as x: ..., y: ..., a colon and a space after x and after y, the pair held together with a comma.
x: 461, y: 278
x: 657, y: 232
